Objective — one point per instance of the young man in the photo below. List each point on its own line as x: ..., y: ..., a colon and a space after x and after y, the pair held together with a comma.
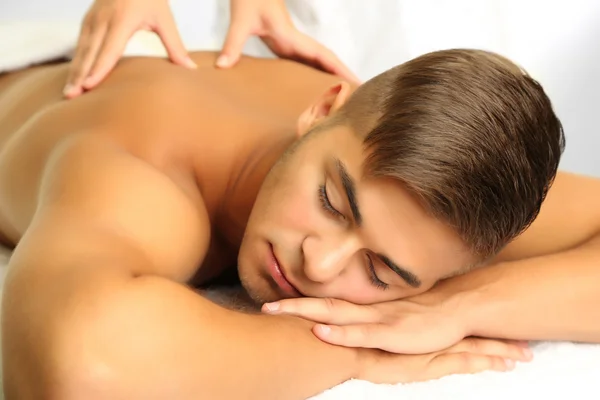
x: 163, y: 176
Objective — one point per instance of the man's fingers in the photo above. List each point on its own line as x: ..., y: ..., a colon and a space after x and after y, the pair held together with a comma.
x: 325, y: 310
x: 114, y: 43
x: 361, y: 335
x: 234, y: 44
x: 466, y: 363
x: 168, y: 33
x: 87, y: 49
x: 491, y: 347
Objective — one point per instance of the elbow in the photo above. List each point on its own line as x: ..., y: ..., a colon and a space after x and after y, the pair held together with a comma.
x: 89, y: 361
x: 56, y: 354
x: 113, y: 345
x: 87, y: 381
x: 90, y: 381
x: 50, y: 372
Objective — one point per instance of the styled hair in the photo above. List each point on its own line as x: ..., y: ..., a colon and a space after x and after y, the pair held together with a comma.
x: 471, y: 135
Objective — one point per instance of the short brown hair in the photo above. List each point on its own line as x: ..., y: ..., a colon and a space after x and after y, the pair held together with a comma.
x: 469, y: 133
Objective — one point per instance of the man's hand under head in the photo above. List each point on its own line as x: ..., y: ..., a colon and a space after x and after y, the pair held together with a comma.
x: 379, y: 345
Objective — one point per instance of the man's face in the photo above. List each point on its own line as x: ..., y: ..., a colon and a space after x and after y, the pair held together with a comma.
x: 320, y: 229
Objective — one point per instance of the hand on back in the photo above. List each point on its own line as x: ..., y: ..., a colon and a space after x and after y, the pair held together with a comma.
x: 109, y: 24
x: 270, y: 20
x: 105, y: 31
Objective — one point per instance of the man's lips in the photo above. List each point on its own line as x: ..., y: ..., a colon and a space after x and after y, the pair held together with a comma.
x: 279, y: 277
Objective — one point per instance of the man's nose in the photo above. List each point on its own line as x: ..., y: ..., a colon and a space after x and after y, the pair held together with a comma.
x: 325, y: 258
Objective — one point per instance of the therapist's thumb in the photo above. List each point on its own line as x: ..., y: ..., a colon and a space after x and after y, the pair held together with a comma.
x: 233, y: 46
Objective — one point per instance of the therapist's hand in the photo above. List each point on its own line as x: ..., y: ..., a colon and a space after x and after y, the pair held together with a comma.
x: 270, y: 20
x: 106, y: 29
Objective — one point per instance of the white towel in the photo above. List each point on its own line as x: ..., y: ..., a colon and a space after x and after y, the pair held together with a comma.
x: 558, y: 371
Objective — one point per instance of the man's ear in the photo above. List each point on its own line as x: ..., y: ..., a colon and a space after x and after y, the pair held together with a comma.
x: 328, y: 103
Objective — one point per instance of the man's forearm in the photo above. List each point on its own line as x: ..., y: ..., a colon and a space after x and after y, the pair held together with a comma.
x: 552, y: 297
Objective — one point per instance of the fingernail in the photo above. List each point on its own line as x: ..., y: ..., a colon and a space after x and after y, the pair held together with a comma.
x: 190, y: 63
x: 272, y: 307
x: 222, y: 61
x: 323, y: 329
x: 528, y: 353
x: 510, y: 364
x: 68, y: 89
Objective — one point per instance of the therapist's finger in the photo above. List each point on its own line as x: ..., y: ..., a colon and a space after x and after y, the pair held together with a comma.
x: 109, y: 53
x: 90, y: 41
x: 234, y: 44
x: 323, y: 58
x: 329, y: 62
x: 169, y: 35
x: 75, y: 77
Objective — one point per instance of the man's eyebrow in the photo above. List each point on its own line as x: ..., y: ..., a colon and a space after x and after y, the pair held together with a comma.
x: 408, y: 277
x: 350, y: 189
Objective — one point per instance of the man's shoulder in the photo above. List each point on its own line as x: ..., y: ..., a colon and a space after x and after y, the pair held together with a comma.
x: 97, y: 186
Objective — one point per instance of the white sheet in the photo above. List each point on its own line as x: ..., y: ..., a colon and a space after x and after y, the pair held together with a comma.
x: 558, y: 371
x: 556, y: 41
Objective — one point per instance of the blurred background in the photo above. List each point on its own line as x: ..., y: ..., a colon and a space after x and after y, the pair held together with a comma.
x: 556, y: 41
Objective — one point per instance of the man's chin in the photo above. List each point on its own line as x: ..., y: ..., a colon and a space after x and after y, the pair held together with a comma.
x: 233, y: 297
x: 259, y: 292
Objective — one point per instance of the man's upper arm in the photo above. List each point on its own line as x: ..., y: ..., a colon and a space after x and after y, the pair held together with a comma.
x: 570, y: 216
x: 92, y: 186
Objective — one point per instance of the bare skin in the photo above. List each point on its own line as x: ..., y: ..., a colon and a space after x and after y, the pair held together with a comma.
x: 161, y: 176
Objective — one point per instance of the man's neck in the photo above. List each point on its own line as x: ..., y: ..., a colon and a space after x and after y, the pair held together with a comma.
x: 246, y: 178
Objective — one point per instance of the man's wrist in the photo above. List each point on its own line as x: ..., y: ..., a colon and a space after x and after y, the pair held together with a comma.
x: 473, y: 299
x: 465, y: 300
x: 465, y: 307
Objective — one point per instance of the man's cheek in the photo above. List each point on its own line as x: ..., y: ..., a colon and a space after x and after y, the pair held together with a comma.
x: 303, y: 212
